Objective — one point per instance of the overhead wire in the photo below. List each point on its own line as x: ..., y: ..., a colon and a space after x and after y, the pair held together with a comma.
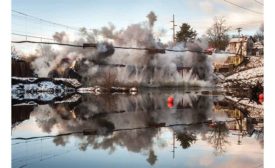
x: 94, y: 45
x: 85, y: 45
x: 259, y: 2
x: 234, y: 4
x: 47, y: 21
x: 32, y: 36
x: 94, y: 132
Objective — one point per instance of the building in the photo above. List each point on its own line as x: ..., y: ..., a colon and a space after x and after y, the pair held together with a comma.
x: 258, y: 49
x: 238, y: 48
x: 241, y: 45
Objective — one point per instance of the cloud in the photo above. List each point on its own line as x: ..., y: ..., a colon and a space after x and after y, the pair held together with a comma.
x: 235, y: 16
x: 244, y: 20
x: 207, y: 6
x: 206, y: 160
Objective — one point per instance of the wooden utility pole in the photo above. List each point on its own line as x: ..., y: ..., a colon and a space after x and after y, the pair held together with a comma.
x: 239, y: 29
x: 173, y: 28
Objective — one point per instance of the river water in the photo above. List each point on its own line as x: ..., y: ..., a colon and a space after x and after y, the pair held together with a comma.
x: 196, y: 129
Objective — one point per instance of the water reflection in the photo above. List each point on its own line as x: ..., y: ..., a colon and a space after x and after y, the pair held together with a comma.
x: 144, y: 124
x: 218, y: 137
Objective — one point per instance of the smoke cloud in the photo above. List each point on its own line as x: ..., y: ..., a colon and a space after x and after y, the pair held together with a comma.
x: 141, y: 67
x: 61, y: 37
x: 152, y: 18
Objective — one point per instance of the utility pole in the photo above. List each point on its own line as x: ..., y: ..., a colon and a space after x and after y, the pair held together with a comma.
x: 239, y: 29
x: 173, y: 28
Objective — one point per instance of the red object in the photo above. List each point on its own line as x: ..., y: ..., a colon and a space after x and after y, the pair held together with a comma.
x: 170, y: 104
x: 261, y: 96
x: 209, y: 51
x: 170, y: 99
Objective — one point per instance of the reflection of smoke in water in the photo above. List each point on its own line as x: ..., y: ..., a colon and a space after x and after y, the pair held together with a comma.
x: 106, y: 113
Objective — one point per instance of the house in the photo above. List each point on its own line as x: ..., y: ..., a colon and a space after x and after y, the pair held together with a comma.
x: 238, y: 48
x: 240, y: 45
x: 258, y: 48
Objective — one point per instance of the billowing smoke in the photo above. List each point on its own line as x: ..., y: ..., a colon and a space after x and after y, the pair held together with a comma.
x: 60, y: 37
x: 143, y: 67
x: 152, y: 18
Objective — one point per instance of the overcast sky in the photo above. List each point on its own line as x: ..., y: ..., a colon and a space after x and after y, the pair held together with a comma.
x: 97, y: 13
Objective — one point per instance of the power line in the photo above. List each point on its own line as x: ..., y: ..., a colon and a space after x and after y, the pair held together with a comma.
x: 34, y: 24
x: 52, y: 43
x: 32, y: 36
x: 48, y: 136
x: 47, y: 21
x: 259, y: 2
x: 95, y: 132
x: 243, y: 7
x: 94, y: 45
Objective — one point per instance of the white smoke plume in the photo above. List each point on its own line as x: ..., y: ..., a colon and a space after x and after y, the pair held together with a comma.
x: 141, y: 66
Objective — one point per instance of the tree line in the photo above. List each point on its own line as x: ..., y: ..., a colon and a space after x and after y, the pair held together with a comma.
x: 217, y: 35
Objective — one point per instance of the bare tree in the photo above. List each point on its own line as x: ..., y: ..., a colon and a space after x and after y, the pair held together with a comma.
x: 217, y: 34
x: 259, y: 35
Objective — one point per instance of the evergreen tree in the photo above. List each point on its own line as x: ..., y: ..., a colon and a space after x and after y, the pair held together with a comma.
x: 186, y: 33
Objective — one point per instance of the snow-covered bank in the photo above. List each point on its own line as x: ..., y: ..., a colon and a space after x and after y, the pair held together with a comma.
x: 245, y: 76
x: 255, y: 110
x: 246, y: 79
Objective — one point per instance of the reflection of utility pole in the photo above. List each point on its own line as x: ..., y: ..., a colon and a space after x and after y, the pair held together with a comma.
x: 239, y: 139
x: 174, y: 146
x: 173, y: 28
x: 240, y: 134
